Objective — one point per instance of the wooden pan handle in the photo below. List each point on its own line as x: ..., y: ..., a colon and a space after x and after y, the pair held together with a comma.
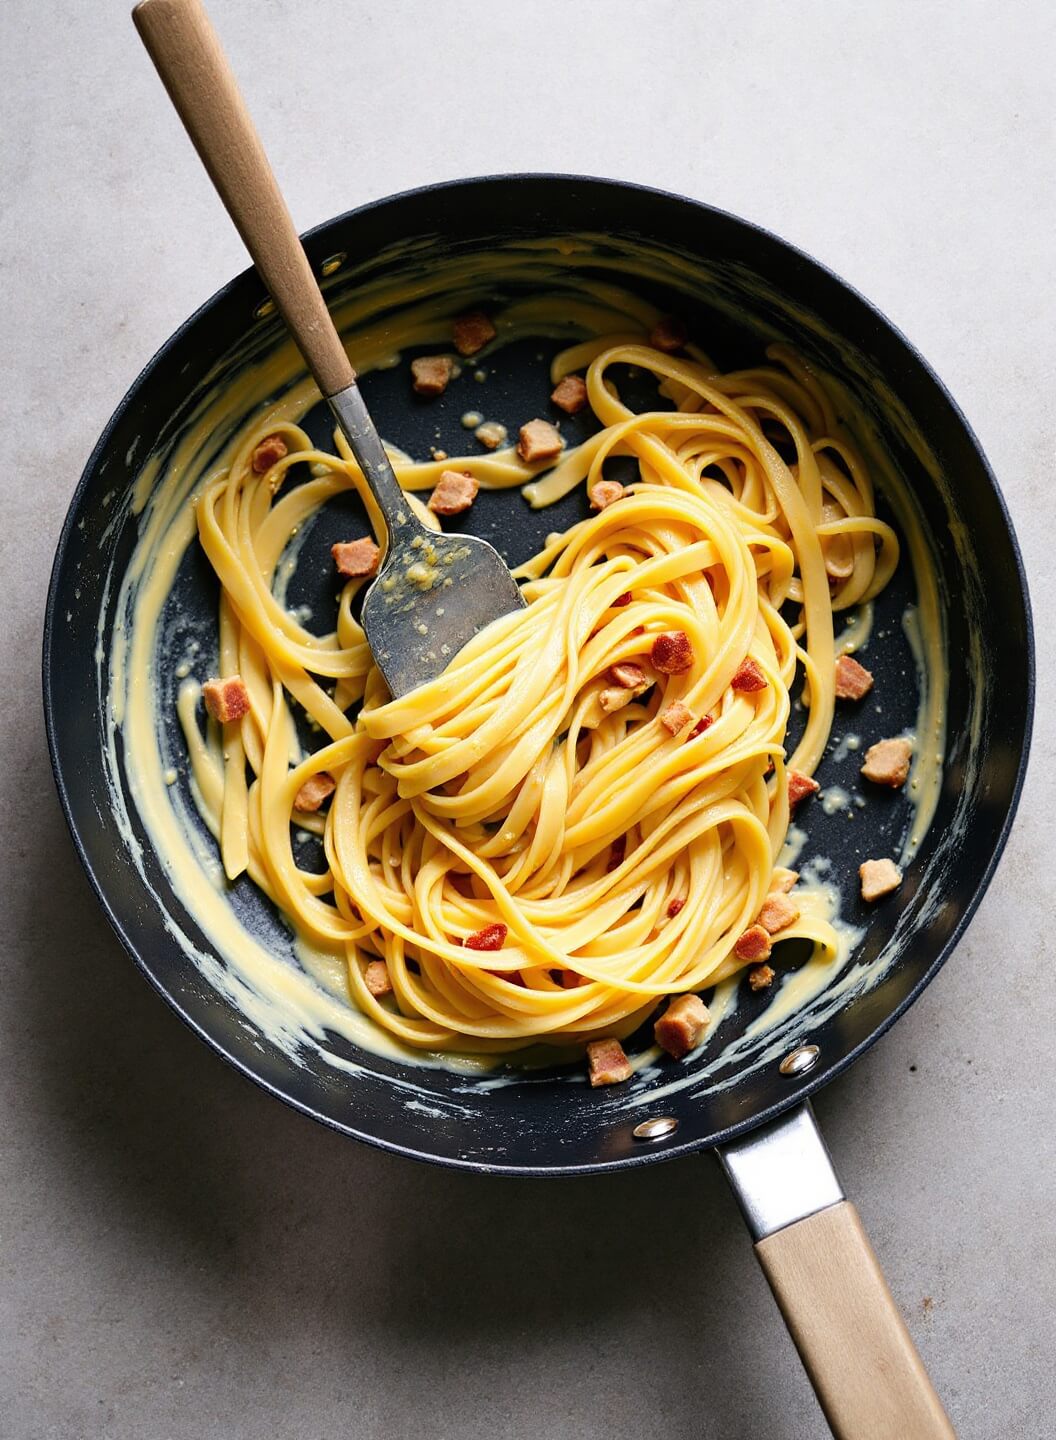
x: 848, y: 1330
x: 189, y: 58
x: 846, y: 1326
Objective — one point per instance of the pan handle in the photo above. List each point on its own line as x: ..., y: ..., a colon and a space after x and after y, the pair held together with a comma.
x: 195, y: 71
x: 816, y: 1255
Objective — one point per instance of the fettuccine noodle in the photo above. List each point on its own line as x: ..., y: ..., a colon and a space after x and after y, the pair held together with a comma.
x: 504, y: 793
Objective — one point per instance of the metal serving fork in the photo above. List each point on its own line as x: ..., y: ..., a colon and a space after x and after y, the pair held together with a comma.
x: 434, y: 592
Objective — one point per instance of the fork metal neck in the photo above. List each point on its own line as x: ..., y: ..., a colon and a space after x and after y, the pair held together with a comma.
x: 359, y: 430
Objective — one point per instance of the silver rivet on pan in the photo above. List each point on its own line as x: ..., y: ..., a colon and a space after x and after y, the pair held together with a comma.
x: 800, y: 1060
x: 656, y: 1128
x: 333, y: 264
x: 264, y: 309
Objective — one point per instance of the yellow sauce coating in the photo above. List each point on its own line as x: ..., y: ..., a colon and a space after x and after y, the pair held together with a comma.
x: 272, y: 394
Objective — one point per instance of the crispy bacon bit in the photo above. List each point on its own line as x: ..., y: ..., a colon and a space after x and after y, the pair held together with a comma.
x: 852, y: 680
x: 472, y: 331
x: 676, y: 717
x: 314, y: 791
x: 430, y: 374
x: 455, y: 491
x: 671, y: 653
x: 492, y: 937
x: 226, y: 700
x: 761, y: 977
x: 539, y: 440
x: 887, y: 762
x: 570, y: 394
x: 616, y: 854
x: 781, y: 880
x: 681, y: 1027
x: 615, y: 697
x: 668, y: 335
x: 356, y: 558
x: 608, y: 1063
x: 799, y: 787
x: 879, y: 878
x: 629, y: 675
x: 676, y: 906
x: 376, y: 979
x: 605, y: 493
x: 777, y: 914
x: 271, y: 449
x: 754, y: 944
x: 704, y: 723
x: 749, y: 676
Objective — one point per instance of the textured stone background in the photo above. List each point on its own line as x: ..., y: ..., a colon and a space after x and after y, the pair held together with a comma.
x: 183, y: 1257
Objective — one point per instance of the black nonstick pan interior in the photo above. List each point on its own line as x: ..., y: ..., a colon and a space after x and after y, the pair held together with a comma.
x: 747, y: 287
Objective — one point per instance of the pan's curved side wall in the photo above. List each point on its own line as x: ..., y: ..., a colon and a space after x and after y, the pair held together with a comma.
x: 532, y: 1126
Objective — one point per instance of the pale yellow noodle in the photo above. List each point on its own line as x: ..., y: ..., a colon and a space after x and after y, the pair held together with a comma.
x: 501, y: 793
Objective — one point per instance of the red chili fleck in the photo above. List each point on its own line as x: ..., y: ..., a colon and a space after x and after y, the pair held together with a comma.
x: 492, y: 937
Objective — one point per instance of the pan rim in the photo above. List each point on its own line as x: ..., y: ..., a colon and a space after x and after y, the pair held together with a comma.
x: 797, y: 1090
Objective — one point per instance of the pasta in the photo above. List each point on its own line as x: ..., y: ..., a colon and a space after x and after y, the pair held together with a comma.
x: 532, y: 857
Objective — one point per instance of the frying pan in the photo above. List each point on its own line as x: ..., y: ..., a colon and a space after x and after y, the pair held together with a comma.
x: 738, y: 286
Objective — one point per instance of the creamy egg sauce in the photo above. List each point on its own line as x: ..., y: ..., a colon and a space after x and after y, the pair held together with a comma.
x: 294, y: 1000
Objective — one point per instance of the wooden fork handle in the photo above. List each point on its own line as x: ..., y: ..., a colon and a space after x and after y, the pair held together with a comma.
x: 191, y: 62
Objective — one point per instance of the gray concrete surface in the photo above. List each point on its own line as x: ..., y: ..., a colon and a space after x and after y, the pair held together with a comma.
x: 182, y: 1257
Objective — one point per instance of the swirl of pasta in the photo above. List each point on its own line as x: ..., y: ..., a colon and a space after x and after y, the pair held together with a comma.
x: 562, y: 828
